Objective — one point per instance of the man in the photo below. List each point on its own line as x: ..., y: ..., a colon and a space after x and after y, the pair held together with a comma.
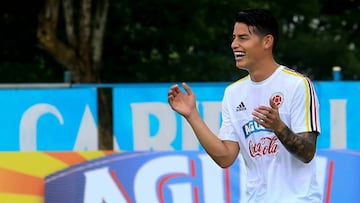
x: 270, y: 117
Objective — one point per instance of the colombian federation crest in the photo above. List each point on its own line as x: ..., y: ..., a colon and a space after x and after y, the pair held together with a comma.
x: 278, y: 99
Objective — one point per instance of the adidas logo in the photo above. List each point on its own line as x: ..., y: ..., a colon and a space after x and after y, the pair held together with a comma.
x: 241, y: 107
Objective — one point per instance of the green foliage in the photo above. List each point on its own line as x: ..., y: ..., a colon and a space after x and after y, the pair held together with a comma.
x: 186, y: 40
x: 183, y: 40
x: 21, y: 59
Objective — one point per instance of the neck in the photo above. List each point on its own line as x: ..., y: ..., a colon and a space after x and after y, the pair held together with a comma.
x: 263, y: 70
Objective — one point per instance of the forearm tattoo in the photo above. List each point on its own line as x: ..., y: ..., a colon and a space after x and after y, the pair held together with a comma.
x: 302, y: 145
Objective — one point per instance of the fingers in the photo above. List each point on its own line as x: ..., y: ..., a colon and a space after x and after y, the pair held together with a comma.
x: 267, y: 116
x: 175, y: 89
x: 261, y: 116
x: 273, y: 104
x: 187, y: 88
x: 260, y: 121
x: 265, y: 110
x: 262, y: 112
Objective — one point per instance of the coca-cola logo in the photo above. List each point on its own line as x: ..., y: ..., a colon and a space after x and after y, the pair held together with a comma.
x: 266, y: 145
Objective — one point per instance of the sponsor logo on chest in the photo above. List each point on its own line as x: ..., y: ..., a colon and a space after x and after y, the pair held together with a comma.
x: 253, y: 127
x: 266, y: 145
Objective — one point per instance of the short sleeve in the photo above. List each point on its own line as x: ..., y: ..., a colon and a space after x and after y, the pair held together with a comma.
x: 227, y: 131
x: 305, y: 108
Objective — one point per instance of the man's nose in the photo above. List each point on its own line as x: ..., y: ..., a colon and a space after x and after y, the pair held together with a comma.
x: 234, y: 44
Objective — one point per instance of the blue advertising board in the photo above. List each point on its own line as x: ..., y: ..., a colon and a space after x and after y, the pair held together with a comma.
x: 143, y: 119
x: 339, y: 114
x: 48, y: 119
x: 184, y: 176
x: 342, y: 184
x: 144, y: 177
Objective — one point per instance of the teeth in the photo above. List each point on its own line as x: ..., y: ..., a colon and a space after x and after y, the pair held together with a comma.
x: 239, y: 53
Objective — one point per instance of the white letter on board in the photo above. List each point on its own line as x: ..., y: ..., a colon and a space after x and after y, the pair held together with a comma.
x: 143, y: 139
x: 212, y: 115
x: 28, y: 124
x: 338, y: 123
x: 149, y: 175
x: 87, y: 138
x: 100, y: 187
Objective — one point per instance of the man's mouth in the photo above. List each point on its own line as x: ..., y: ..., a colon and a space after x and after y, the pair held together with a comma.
x: 239, y: 54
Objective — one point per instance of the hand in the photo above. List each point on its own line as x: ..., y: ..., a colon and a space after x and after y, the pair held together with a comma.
x: 269, y: 117
x: 180, y: 102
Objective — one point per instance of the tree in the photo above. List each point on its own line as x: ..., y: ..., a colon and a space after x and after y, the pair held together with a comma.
x: 166, y: 41
x: 162, y: 41
x: 79, y: 49
x: 82, y: 52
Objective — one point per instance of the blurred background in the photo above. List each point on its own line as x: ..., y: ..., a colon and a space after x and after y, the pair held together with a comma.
x: 167, y: 40
x: 92, y: 75
x: 108, y: 41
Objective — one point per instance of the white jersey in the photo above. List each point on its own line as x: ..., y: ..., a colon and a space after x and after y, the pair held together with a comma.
x: 273, y: 174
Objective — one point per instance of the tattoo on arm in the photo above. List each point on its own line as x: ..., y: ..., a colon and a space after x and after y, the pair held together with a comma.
x: 301, y: 145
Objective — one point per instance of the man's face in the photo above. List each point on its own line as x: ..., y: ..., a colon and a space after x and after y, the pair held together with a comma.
x: 246, y: 45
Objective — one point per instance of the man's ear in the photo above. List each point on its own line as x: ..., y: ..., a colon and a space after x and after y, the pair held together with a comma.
x: 268, y: 41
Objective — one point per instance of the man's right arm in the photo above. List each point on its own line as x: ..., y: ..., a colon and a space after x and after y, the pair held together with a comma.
x: 224, y: 153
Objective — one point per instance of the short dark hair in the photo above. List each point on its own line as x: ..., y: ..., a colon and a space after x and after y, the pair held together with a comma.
x: 262, y: 20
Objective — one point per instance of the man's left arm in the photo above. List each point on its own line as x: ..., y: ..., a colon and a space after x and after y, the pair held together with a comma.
x: 301, y: 145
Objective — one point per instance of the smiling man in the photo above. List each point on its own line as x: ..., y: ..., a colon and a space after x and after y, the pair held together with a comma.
x: 270, y: 117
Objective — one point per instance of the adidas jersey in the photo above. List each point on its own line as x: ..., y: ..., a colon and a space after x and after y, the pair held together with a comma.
x: 273, y: 174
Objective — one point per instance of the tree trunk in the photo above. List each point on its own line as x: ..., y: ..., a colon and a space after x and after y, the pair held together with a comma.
x: 105, y: 119
x: 81, y: 52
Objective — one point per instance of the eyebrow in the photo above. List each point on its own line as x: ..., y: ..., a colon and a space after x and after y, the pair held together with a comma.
x: 241, y: 35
